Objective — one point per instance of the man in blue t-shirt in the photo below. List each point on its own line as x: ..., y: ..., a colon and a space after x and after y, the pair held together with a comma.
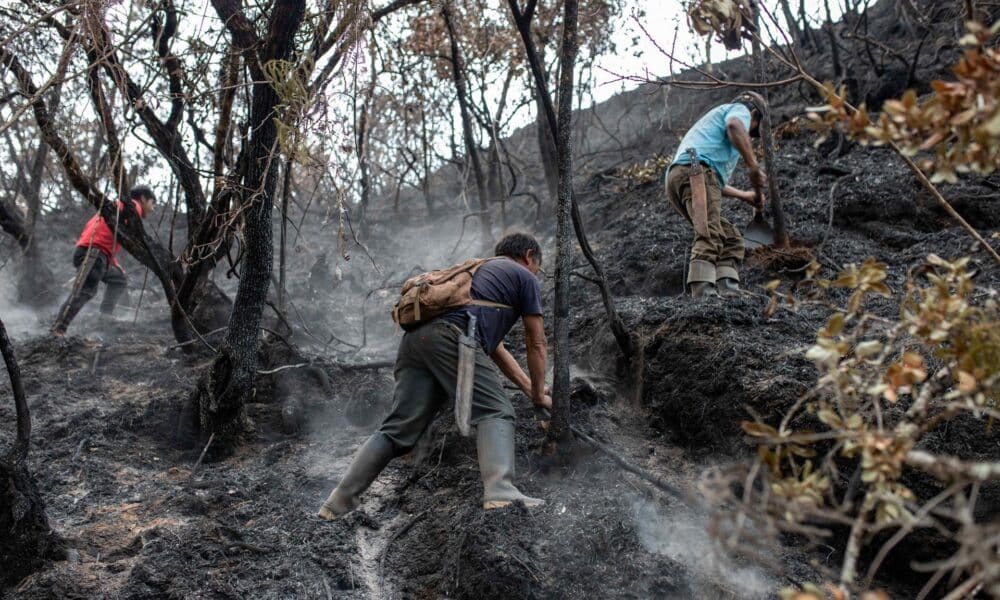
x: 427, y: 369
x: 719, y: 138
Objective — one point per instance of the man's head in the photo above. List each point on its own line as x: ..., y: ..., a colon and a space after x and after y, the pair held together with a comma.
x: 523, y: 248
x: 757, y: 106
x: 145, y: 197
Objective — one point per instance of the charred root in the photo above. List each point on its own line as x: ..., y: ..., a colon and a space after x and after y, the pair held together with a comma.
x: 27, y: 541
x: 218, y: 406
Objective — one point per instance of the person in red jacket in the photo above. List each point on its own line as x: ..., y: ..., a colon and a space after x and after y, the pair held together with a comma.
x: 95, y: 260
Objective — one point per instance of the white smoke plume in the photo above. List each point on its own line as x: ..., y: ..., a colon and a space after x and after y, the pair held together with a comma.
x: 683, y: 537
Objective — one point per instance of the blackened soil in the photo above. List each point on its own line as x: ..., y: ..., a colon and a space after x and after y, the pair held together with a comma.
x: 122, y: 492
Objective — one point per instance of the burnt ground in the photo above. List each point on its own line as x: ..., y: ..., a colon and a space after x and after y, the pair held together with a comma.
x: 121, y: 490
x: 119, y: 487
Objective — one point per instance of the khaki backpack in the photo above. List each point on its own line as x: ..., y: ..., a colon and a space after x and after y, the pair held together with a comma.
x: 429, y: 295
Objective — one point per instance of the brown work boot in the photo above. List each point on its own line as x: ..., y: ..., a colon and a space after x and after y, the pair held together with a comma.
x: 495, y: 446
x: 703, y: 289
x: 373, y: 456
x: 728, y: 287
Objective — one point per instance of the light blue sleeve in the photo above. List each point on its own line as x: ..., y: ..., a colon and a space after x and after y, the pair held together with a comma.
x: 740, y: 112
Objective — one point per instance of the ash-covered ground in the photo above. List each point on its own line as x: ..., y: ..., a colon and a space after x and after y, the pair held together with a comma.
x: 120, y: 488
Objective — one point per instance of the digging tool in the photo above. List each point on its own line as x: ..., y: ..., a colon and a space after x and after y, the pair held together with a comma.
x: 699, y: 196
x: 466, y: 375
x: 758, y: 233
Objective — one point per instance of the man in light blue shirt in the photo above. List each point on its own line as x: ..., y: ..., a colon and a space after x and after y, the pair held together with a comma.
x: 719, y: 139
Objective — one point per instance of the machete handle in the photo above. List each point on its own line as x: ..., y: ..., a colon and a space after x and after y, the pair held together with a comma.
x: 695, y: 164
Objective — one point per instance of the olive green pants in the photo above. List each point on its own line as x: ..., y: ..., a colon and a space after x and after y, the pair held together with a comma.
x: 426, y: 372
x: 719, y: 254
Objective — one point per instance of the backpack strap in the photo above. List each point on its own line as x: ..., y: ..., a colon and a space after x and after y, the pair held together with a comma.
x: 416, y: 302
x: 489, y: 304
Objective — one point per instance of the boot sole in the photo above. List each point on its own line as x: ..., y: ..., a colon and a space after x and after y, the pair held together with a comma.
x: 327, y: 514
x: 495, y: 504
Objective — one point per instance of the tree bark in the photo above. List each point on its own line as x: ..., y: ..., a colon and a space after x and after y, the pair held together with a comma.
x: 793, y: 26
x: 564, y: 150
x: 361, y: 126
x: 12, y: 223
x: 224, y: 390
x: 838, y: 67
x: 286, y: 190
x: 458, y: 74
x: 210, y: 233
x: 777, y: 213
x: 27, y: 539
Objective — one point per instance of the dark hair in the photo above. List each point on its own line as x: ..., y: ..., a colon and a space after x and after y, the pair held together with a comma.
x: 141, y: 191
x: 515, y: 245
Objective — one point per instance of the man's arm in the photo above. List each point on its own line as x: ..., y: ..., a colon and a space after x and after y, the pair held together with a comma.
x: 738, y: 135
x: 750, y: 197
x: 538, y: 348
x: 513, y: 371
x: 534, y: 385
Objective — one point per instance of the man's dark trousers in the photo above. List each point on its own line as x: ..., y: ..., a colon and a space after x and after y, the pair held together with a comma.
x: 92, y: 266
x: 426, y: 372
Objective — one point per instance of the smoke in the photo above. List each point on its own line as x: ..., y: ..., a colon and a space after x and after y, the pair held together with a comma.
x: 683, y: 537
x: 19, y: 320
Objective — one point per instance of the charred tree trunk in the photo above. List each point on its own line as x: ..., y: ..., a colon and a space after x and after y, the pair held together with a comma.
x: 36, y: 285
x: 793, y: 26
x: 547, y: 150
x: 807, y: 32
x: 425, y: 159
x: 12, y: 223
x: 458, y: 74
x: 838, y: 67
x: 564, y: 150
x: 223, y: 391
x: 777, y: 213
x: 27, y: 539
x: 286, y: 190
x: 494, y: 181
x: 522, y: 20
x: 187, y: 290
x: 361, y: 126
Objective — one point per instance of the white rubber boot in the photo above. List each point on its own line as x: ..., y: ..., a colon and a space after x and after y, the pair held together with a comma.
x: 495, y: 445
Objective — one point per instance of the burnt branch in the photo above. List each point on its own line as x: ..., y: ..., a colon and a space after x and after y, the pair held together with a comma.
x: 12, y: 223
x: 231, y: 13
x: 165, y: 135
x: 162, y: 34
x: 19, y: 451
